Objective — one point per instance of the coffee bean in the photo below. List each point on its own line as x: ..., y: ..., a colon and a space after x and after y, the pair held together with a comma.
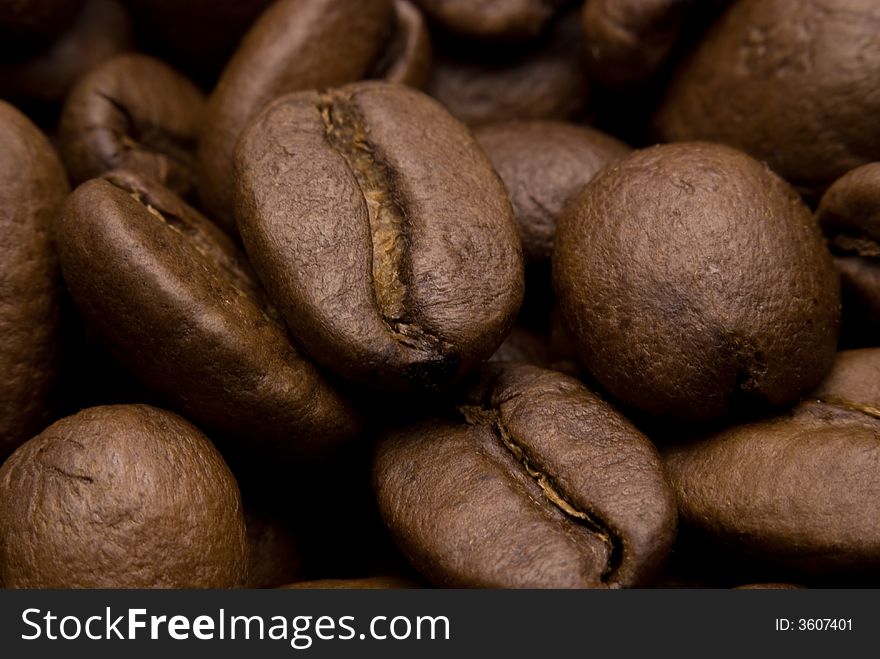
x: 498, y: 19
x: 540, y: 484
x: 799, y: 489
x: 849, y: 214
x: 544, y: 81
x: 295, y: 45
x: 32, y: 188
x: 543, y: 164
x: 692, y: 279
x: 790, y: 83
x: 391, y: 250
x: 133, y: 112
x: 175, y: 301
x: 126, y: 496
x: 101, y: 30
x: 315, y: 263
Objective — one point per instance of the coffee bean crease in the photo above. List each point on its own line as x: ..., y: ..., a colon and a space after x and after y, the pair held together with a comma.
x: 347, y: 135
x: 846, y: 244
x: 553, y: 493
x: 240, y: 280
x: 869, y: 410
x: 148, y: 136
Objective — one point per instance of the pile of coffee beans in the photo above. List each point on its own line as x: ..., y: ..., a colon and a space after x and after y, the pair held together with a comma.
x: 412, y: 293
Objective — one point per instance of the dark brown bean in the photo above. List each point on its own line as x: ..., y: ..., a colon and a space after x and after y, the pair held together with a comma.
x: 175, y: 300
x: 391, y: 250
x: 126, y: 496
x: 541, y: 484
x: 133, y: 112
x: 691, y: 279
x: 791, y: 83
x: 544, y: 81
x: 33, y: 186
x: 800, y: 489
x: 295, y: 45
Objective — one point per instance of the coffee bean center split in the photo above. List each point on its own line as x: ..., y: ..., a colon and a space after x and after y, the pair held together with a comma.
x: 482, y: 416
x: 347, y: 134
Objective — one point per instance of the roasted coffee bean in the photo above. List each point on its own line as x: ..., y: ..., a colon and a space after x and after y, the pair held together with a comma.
x: 175, y: 301
x: 544, y: 81
x: 541, y: 484
x: 33, y: 186
x: 393, y: 310
x: 27, y: 25
x: 133, y: 112
x: 406, y: 58
x: 369, y: 583
x: 792, y: 83
x: 126, y: 496
x: 543, y: 164
x: 800, y: 489
x: 101, y: 30
x: 691, y: 278
x: 849, y: 214
x: 496, y: 19
x: 295, y: 45
x: 390, y: 250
